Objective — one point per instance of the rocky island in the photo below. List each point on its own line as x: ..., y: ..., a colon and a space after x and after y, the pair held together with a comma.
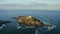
x: 29, y: 21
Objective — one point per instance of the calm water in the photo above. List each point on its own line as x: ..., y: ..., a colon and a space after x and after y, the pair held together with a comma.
x: 53, y: 17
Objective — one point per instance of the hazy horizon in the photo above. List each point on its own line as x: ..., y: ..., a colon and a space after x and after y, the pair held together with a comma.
x: 30, y: 4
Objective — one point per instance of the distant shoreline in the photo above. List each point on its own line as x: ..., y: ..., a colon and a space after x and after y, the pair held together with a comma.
x: 32, y: 10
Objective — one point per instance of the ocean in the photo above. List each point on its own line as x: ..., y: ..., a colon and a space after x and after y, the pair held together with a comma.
x: 52, y: 16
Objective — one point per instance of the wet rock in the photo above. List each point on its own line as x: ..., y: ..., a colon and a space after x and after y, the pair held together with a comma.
x: 29, y: 21
x: 3, y: 22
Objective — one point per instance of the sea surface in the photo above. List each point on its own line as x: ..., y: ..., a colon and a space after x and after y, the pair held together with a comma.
x: 52, y: 16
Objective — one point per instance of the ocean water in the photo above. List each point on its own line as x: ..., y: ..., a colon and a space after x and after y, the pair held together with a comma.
x: 52, y: 16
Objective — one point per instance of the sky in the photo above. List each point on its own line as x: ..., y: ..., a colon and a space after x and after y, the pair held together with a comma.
x: 40, y: 4
x: 29, y: 1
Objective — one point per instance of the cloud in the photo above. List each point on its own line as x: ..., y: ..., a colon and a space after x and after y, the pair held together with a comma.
x: 28, y: 5
x: 36, y: 6
x: 2, y: 0
x: 29, y: 1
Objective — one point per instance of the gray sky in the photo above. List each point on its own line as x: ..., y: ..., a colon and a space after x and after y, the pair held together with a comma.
x: 30, y: 4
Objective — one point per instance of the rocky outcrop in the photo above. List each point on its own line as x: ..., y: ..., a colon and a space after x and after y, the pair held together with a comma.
x: 29, y: 21
x: 3, y: 22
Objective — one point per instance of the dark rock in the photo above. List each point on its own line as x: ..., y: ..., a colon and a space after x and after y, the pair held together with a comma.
x: 3, y: 22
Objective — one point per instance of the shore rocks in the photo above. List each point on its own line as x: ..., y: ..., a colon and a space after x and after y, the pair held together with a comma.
x: 29, y: 21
